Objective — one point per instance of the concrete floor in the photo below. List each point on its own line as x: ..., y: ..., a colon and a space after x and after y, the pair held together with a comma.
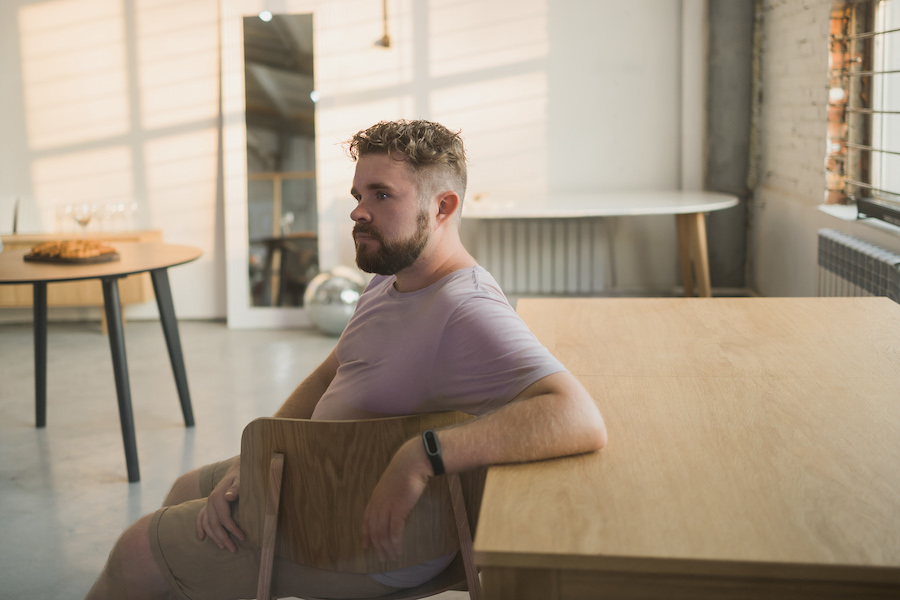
x: 64, y: 494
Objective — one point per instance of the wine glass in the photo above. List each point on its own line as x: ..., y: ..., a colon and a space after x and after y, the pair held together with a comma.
x: 83, y: 213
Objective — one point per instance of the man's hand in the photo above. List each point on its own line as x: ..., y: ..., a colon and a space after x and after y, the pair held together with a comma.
x: 214, y: 519
x: 400, y: 487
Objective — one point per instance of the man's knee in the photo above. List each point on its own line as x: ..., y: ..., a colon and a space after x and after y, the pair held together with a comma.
x: 133, y: 546
x: 131, y: 570
x: 186, y: 487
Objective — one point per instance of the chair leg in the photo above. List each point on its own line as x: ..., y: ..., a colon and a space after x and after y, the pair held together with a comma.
x: 465, y: 535
x: 273, y: 500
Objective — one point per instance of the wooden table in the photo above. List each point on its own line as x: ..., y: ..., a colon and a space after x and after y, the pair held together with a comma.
x: 689, y: 209
x: 136, y: 289
x: 754, y: 452
x: 154, y: 258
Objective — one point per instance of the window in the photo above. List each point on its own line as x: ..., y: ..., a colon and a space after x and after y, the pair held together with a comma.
x: 863, y: 160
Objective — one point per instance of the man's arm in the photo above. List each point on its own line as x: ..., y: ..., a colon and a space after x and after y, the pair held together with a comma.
x: 302, y: 401
x: 553, y: 417
x: 214, y: 519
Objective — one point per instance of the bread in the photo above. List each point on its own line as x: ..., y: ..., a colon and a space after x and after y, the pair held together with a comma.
x: 70, y: 249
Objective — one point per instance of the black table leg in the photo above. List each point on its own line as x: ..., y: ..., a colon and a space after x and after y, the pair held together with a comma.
x: 40, y: 353
x: 267, y: 276
x: 163, y: 293
x: 120, y: 369
x: 283, y: 255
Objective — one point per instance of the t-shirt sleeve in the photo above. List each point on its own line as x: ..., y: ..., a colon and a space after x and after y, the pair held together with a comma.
x: 486, y: 357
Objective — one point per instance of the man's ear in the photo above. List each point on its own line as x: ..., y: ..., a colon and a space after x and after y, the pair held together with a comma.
x: 447, y: 205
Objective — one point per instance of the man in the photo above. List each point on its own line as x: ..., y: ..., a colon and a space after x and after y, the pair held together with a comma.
x: 432, y: 332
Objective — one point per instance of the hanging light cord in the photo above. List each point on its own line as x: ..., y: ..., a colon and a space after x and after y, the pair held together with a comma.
x: 385, y: 40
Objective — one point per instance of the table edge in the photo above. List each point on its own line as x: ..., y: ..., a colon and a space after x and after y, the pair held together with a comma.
x: 689, y: 567
x: 722, y: 201
x: 120, y: 275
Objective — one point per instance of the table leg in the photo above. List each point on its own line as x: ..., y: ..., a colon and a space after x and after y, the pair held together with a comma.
x: 693, y: 251
x: 120, y: 369
x: 267, y: 276
x: 611, y: 252
x: 163, y: 291
x: 282, y: 274
x: 684, y: 254
x: 39, y: 291
x: 700, y: 254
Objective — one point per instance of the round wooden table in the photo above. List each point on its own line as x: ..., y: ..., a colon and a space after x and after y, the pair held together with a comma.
x: 154, y: 258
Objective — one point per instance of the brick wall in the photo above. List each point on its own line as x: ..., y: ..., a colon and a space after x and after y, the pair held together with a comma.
x: 792, y: 135
x: 793, y: 127
x: 795, y: 97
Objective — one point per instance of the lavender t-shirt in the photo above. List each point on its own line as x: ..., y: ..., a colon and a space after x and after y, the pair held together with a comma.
x: 455, y: 345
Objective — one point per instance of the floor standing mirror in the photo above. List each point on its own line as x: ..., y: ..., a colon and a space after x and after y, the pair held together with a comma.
x: 269, y: 160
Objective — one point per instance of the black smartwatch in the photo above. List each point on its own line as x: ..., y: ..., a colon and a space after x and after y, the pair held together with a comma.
x: 433, y: 451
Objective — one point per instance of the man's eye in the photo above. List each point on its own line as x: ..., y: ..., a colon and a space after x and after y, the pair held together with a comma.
x: 380, y: 195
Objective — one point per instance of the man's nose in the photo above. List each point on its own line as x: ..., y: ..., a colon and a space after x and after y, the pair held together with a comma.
x: 360, y: 214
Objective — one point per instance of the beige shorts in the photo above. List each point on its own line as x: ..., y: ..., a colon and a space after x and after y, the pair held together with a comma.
x: 198, y: 570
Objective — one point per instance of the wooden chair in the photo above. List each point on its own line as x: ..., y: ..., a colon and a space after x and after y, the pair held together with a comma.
x: 305, y: 485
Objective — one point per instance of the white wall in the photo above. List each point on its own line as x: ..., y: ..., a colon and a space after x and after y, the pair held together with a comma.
x: 614, y: 118
x: 544, y: 103
x: 108, y: 99
x: 105, y: 100
x: 793, y: 122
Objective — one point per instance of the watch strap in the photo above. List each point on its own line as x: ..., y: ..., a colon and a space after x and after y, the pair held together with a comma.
x: 433, y: 451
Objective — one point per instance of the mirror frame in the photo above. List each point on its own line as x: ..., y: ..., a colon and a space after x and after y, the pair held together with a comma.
x: 240, y: 313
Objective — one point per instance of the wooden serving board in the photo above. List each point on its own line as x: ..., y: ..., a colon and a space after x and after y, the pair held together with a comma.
x: 62, y: 260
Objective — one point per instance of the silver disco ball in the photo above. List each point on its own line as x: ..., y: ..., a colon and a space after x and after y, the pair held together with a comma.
x: 330, y: 299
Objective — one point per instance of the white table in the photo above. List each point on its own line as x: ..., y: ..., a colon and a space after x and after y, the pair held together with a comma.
x: 689, y: 209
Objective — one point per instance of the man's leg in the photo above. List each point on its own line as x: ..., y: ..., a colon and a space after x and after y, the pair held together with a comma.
x: 186, y: 487
x: 131, y: 572
x: 142, y: 578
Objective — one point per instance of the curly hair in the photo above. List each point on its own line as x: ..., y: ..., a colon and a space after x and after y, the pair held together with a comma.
x: 436, y: 154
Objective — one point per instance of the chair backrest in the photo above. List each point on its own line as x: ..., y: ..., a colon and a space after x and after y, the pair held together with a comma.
x: 330, y: 470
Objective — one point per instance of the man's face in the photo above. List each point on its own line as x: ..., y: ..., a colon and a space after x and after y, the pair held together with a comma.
x: 391, y: 229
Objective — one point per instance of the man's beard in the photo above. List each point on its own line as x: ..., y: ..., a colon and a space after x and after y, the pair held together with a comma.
x: 391, y: 257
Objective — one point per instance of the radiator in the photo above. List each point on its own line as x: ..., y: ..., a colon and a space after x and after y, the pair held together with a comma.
x: 548, y: 256
x: 852, y: 267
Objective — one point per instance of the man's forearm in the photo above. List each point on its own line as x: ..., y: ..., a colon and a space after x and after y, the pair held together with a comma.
x: 555, y: 417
